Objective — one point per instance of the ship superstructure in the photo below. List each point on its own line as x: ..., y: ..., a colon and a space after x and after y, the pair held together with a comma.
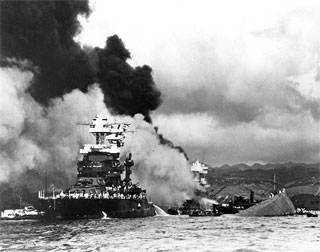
x: 103, y: 183
x: 200, y: 199
x: 200, y: 172
x: 100, y: 161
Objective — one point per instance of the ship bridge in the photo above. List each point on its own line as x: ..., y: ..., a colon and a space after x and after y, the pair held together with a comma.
x: 109, y: 136
x: 200, y: 171
x: 102, y: 158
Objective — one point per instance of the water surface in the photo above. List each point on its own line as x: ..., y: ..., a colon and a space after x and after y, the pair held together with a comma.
x: 164, y: 233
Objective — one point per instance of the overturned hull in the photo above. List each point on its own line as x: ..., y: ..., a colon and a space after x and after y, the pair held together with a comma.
x: 94, y: 208
x: 278, y: 205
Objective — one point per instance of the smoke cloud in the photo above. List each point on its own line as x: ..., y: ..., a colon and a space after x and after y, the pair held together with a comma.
x: 128, y: 90
x: 33, y: 137
x: 43, y: 33
x: 161, y: 169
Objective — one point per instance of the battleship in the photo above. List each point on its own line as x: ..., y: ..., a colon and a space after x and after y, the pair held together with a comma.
x: 103, y: 187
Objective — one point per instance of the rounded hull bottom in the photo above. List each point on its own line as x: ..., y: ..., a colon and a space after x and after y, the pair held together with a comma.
x: 65, y: 208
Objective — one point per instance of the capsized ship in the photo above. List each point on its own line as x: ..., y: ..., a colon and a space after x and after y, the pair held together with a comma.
x: 103, y: 186
x: 277, y: 205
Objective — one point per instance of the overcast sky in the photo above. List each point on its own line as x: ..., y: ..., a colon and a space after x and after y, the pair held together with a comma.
x: 240, y: 79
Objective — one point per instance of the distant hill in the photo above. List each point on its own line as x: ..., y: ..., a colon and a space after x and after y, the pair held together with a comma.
x: 240, y: 179
x: 269, y: 166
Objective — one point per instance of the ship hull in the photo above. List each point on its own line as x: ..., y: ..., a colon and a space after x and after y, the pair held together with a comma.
x: 279, y: 205
x: 65, y: 208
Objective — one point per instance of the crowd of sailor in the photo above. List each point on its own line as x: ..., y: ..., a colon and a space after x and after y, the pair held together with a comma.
x: 112, y: 192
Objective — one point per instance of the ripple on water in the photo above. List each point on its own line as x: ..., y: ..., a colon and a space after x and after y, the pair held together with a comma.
x: 174, y: 233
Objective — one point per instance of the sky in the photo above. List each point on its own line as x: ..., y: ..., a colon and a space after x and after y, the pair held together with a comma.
x: 240, y: 80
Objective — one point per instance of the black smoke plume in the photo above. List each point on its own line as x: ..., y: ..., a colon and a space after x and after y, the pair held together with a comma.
x: 128, y: 90
x: 42, y: 32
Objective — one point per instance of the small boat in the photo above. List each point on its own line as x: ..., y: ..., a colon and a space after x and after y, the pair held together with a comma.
x: 25, y: 213
x: 173, y: 211
x: 310, y: 214
x: 203, y: 213
x: 301, y: 211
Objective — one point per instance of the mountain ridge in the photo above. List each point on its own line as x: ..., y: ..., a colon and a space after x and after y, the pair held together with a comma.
x: 267, y: 166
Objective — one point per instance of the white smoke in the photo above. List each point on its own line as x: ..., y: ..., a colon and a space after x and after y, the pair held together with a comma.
x: 162, y: 170
x: 33, y: 137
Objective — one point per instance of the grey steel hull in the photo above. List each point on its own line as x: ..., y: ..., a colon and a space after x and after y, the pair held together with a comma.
x: 65, y: 208
x: 279, y: 205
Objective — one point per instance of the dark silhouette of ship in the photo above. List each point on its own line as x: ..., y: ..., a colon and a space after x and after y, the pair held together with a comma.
x: 103, y: 187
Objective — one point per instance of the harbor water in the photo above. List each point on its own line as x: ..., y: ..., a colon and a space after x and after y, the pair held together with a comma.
x: 164, y: 233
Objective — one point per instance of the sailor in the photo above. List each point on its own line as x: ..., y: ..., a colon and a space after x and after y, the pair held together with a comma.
x: 82, y: 194
x: 62, y: 195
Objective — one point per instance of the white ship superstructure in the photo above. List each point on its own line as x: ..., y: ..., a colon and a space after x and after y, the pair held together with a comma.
x: 109, y: 136
x: 200, y: 172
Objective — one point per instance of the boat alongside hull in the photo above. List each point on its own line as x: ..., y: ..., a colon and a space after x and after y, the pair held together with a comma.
x: 309, y: 214
x: 65, y: 208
